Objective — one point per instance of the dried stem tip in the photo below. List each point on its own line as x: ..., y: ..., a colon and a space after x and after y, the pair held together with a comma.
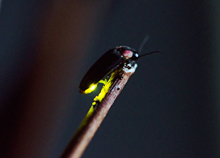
x: 97, y: 112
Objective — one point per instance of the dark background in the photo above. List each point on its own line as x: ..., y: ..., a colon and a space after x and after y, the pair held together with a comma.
x: 169, y: 107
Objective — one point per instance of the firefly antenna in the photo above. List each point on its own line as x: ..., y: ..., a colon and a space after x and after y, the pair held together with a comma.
x: 143, y: 43
x: 150, y: 53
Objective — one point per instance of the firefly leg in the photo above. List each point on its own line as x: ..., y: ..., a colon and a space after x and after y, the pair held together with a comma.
x: 95, y: 103
x: 120, y: 75
x: 103, y: 81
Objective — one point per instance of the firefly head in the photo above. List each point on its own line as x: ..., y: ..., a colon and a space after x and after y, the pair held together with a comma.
x: 128, y: 52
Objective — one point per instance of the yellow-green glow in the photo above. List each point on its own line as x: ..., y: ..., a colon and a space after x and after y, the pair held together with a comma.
x: 91, y: 110
x: 91, y: 88
x: 103, y: 81
x: 106, y: 87
x: 99, y: 98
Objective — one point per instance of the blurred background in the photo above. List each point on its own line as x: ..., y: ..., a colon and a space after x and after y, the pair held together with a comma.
x: 169, y: 107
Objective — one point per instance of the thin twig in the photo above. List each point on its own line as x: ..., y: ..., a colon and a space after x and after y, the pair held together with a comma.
x: 97, y: 113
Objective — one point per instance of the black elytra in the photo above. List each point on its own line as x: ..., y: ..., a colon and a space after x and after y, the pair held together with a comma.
x: 107, y: 63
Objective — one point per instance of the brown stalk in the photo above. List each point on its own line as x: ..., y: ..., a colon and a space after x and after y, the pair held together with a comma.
x: 96, y: 114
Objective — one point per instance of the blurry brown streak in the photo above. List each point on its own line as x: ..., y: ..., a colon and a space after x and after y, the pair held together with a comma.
x: 64, y: 35
x: 92, y: 121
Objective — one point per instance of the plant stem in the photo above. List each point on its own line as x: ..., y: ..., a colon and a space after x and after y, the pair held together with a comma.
x: 96, y: 114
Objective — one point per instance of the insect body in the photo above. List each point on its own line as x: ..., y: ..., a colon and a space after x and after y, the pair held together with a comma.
x: 106, y: 64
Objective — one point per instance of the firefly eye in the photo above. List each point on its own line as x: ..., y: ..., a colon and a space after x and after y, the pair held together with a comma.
x: 135, y: 56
